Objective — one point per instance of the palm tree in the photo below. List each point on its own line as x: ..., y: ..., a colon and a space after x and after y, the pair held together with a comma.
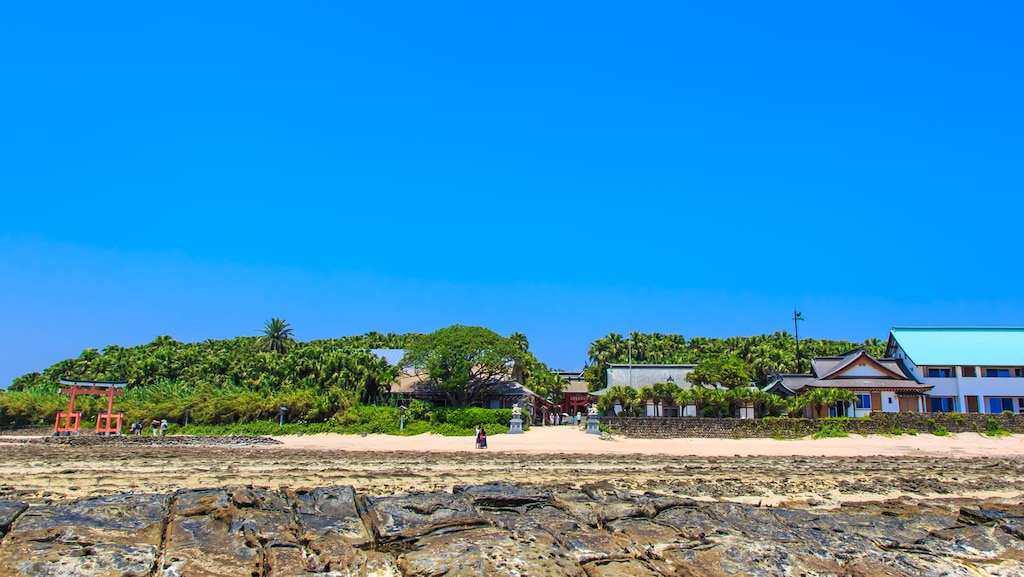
x: 682, y: 398
x: 699, y: 396
x: 277, y: 336
x: 795, y: 405
x: 520, y: 341
x: 664, y: 393
x: 718, y: 401
x: 648, y: 395
x: 625, y: 397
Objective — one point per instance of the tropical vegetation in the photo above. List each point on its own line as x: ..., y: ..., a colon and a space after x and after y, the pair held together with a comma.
x: 761, y: 355
x: 342, y: 385
x: 246, y: 380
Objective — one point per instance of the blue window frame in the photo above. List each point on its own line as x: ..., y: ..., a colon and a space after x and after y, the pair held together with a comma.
x: 940, y: 373
x: 999, y: 404
x: 863, y: 401
x: 1002, y: 373
x: 942, y: 405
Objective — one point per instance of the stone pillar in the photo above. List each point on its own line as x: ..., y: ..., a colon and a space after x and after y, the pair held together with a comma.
x: 592, y: 425
x: 516, y: 425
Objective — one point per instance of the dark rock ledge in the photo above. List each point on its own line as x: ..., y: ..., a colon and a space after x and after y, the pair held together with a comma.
x: 494, y: 529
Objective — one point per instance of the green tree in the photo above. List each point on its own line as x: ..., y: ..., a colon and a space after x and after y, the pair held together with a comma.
x: 624, y: 396
x: 464, y: 362
x: 277, y: 336
x: 822, y: 400
x: 729, y: 372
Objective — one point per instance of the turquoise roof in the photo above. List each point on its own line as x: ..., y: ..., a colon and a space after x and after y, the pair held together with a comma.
x: 972, y: 346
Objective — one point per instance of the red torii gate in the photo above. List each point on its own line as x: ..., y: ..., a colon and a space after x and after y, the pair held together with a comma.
x: 69, y: 422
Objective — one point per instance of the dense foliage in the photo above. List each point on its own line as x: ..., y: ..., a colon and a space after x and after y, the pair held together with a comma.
x: 467, y: 363
x: 763, y: 355
x: 220, y: 381
x: 240, y: 381
x: 340, y: 383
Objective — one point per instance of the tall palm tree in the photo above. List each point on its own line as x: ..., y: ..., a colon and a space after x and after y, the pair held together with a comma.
x: 520, y: 341
x: 277, y: 336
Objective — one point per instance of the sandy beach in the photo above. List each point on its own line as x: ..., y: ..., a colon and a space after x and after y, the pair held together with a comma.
x: 554, y: 440
x: 819, y: 473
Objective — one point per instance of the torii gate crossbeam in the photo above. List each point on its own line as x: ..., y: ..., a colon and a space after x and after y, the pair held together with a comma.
x: 70, y: 422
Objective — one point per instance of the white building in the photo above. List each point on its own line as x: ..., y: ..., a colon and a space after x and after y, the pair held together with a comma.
x: 971, y: 369
x: 640, y: 376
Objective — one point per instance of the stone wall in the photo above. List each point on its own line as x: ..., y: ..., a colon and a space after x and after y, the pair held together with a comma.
x: 785, y: 428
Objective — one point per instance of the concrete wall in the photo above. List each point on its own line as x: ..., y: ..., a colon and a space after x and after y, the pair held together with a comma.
x: 646, y: 375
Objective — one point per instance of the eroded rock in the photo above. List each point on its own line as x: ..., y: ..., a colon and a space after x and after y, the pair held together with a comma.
x: 495, y: 529
x: 116, y: 535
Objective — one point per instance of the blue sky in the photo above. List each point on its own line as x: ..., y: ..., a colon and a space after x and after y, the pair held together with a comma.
x: 563, y: 171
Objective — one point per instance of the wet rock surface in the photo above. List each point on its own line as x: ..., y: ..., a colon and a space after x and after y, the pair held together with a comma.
x: 498, y: 529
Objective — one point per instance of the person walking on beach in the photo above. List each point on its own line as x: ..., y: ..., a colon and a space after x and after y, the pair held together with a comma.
x: 155, y: 423
x: 163, y: 427
x: 476, y: 437
x: 481, y: 438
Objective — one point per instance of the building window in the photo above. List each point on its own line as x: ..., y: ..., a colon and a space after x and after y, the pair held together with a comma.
x: 1016, y: 372
x: 967, y: 371
x: 999, y: 404
x: 942, y: 405
x: 863, y: 401
x: 1000, y: 373
x: 940, y: 372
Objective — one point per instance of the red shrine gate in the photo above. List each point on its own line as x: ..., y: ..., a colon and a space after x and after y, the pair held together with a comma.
x: 107, y: 423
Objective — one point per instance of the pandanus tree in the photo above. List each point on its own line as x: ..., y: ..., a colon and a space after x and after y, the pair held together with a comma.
x: 277, y: 336
x: 624, y: 397
x: 658, y: 395
x: 664, y: 393
x: 823, y: 400
x: 795, y: 406
x: 647, y: 395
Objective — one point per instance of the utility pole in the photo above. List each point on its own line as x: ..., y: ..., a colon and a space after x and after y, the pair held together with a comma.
x: 629, y: 337
x: 796, y: 333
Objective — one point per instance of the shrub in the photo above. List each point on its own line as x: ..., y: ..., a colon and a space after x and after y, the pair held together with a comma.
x: 940, y: 431
x: 830, y: 430
x: 993, y: 429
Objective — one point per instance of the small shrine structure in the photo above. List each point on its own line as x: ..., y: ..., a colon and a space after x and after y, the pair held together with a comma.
x: 107, y: 423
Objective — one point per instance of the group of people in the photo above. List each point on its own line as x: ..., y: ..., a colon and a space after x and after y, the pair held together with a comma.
x: 564, y: 419
x: 159, y: 427
x: 481, y: 437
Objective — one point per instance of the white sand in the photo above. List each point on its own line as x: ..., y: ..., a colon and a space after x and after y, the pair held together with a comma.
x: 548, y: 440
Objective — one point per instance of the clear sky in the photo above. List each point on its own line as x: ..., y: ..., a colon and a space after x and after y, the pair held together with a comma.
x: 559, y: 169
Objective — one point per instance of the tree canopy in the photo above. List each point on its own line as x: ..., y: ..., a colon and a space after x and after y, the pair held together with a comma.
x: 464, y: 362
x: 221, y: 381
x: 763, y: 355
x: 726, y: 371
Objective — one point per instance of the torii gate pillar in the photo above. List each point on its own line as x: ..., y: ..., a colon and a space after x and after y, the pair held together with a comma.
x: 107, y: 423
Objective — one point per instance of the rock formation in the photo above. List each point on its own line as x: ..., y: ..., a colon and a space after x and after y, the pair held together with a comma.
x: 493, y: 529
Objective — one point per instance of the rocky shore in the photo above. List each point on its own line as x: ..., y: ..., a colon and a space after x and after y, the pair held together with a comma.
x: 493, y: 529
